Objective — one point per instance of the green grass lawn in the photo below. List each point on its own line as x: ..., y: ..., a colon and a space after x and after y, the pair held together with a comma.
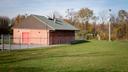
x: 93, y: 56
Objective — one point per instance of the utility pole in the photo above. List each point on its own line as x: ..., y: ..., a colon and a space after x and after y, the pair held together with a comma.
x: 110, y: 25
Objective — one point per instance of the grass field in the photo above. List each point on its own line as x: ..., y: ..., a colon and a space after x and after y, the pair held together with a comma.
x: 93, y: 56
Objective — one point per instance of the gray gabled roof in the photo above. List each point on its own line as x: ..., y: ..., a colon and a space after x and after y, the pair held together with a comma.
x: 55, y: 25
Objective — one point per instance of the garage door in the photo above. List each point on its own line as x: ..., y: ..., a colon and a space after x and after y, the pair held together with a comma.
x: 25, y: 37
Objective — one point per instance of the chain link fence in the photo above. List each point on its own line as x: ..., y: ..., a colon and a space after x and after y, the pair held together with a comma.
x: 8, y: 42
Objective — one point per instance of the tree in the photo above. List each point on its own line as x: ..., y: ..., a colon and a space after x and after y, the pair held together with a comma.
x: 85, y: 13
x: 83, y: 16
x: 70, y: 14
x: 123, y: 19
x: 18, y: 19
x: 114, y: 27
x: 71, y: 17
x: 94, y: 19
x: 4, y: 25
x: 80, y: 19
x: 122, y: 15
x: 54, y: 15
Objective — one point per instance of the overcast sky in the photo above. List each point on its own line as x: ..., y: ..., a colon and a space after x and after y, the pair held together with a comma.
x: 11, y: 8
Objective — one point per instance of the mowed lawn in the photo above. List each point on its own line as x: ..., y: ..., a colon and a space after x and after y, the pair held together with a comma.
x: 93, y: 56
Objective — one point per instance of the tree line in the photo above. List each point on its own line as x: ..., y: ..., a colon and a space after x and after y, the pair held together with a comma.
x: 90, y: 26
x: 97, y: 27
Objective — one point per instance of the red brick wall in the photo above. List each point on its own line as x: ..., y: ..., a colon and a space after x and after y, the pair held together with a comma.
x: 35, y: 36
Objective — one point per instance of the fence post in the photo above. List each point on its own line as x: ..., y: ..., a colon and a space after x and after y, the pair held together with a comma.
x: 9, y: 41
x: 20, y: 42
x: 2, y: 42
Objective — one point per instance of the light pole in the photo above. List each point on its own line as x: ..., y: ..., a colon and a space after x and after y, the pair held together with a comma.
x: 110, y: 25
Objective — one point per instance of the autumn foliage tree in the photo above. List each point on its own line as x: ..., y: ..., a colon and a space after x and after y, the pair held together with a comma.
x: 18, y: 19
x: 80, y: 19
x: 89, y: 24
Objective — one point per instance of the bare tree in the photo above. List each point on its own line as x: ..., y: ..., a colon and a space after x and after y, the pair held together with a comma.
x: 54, y: 15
